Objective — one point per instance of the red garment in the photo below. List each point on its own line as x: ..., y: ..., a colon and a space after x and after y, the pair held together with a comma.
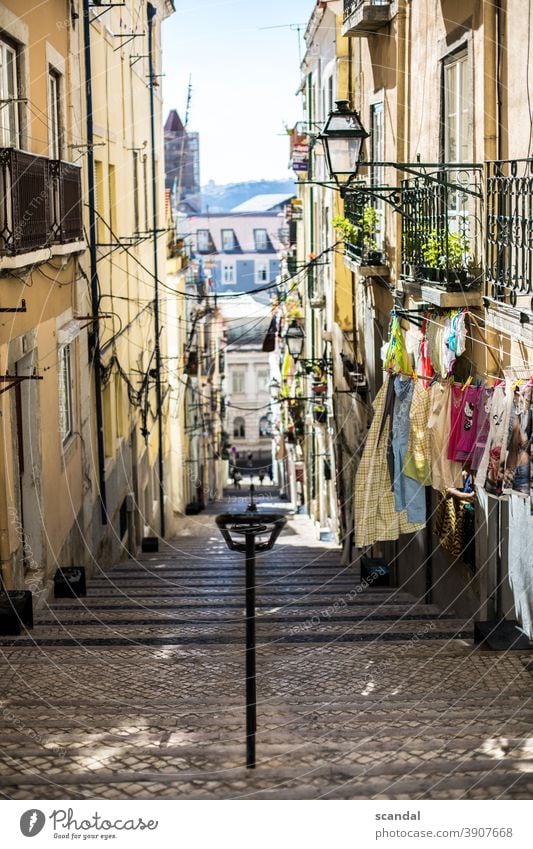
x: 463, y: 422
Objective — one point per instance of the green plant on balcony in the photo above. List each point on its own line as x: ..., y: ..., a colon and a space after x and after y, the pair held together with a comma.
x: 446, y: 256
x: 348, y: 231
x: 362, y: 234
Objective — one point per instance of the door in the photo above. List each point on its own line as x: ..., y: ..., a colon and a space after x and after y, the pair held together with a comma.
x: 29, y: 474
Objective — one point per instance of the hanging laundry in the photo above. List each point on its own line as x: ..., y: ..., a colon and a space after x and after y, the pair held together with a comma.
x: 450, y: 527
x: 375, y: 514
x: 492, y: 466
x: 444, y: 472
x: 396, y: 356
x: 517, y: 474
x: 424, y: 366
x: 408, y: 493
x: 520, y: 538
x: 483, y: 426
x: 417, y: 463
x: 463, y: 422
x: 435, y: 342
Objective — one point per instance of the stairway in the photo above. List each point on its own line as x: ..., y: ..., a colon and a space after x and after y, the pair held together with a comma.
x: 137, y: 691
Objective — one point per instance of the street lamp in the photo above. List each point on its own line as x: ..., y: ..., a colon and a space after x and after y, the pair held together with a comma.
x: 294, y: 339
x: 343, y: 136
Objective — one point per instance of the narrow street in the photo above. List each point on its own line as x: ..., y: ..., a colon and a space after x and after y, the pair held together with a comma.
x: 137, y: 691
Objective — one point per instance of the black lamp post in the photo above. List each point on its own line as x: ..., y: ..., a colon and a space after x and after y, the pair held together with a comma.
x: 343, y: 136
x: 294, y: 339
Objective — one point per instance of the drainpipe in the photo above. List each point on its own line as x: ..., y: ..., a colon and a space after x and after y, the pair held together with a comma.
x: 151, y: 12
x: 93, y: 273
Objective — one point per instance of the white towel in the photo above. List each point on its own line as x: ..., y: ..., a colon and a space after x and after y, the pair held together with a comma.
x: 521, y: 560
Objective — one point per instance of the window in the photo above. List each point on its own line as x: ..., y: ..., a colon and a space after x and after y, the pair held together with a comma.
x: 456, y: 131
x: 228, y: 240
x: 456, y: 109
x: 145, y: 193
x: 54, y: 94
x: 202, y: 240
x: 238, y: 382
x: 102, y: 233
x: 112, y: 201
x: 263, y: 381
x: 227, y: 274
x: 136, y: 219
x: 261, y: 273
x: 261, y: 240
x: 66, y: 408
x: 377, y: 176
x: 239, y: 428
x: 264, y: 427
x: 9, y: 111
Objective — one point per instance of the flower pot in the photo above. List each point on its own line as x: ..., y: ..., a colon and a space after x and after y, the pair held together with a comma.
x: 374, y: 258
x: 320, y: 416
x: 319, y: 388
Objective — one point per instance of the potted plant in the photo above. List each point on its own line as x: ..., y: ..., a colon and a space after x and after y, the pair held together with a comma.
x: 445, y: 255
x: 370, y: 220
x: 320, y: 413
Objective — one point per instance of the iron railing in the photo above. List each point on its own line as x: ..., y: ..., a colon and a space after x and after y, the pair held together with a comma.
x: 509, y: 228
x: 40, y: 202
x: 362, y: 247
x: 24, y: 201
x: 67, y: 217
x: 441, y: 226
x: 351, y: 6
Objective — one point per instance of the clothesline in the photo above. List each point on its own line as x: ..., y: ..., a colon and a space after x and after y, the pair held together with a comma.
x: 474, y: 339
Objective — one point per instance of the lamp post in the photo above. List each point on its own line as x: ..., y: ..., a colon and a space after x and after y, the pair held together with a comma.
x: 294, y: 339
x: 343, y: 136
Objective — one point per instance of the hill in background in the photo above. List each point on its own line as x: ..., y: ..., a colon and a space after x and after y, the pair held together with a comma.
x: 217, y: 198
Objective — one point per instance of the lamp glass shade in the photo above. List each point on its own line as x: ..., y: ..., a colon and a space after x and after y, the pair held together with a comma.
x: 294, y: 339
x: 343, y: 136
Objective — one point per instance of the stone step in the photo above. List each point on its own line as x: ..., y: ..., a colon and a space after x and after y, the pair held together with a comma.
x: 389, y: 773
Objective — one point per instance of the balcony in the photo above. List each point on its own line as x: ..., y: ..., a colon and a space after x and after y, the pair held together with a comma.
x: 40, y: 207
x: 364, y: 17
x: 361, y: 249
x: 441, y: 236
x: 509, y: 241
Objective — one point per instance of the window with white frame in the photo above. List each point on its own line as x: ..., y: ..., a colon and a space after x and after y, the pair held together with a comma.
x: 202, y: 240
x: 456, y: 109
x: 239, y: 428
x: 261, y: 240
x: 227, y: 274
x: 9, y: 93
x: 66, y: 392
x: 261, y: 272
x: 238, y: 382
x: 228, y: 240
x: 54, y: 106
x: 263, y: 380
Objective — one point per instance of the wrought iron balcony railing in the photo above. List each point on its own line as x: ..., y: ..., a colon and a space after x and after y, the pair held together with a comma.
x: 509, y: 230
x: 441, y: 227
x: 351, y: 6
x: 40, y: 202
x: 67, y: 215
x: 362, y: 246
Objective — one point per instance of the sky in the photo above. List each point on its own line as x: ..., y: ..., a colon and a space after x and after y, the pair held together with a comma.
x: 244, y: 82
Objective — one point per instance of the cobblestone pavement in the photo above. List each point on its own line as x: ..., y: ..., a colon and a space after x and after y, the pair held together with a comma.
x: 137, y: 691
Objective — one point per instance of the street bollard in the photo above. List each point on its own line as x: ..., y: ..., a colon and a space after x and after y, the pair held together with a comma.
x: 250, y: 526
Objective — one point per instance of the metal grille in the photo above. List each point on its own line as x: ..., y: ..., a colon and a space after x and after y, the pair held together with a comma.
x: 24, y: 201
x: 509, y: 240
x: 351, y: 6
x: 40, y: 202
x: 441, y: 226
x: 354, y: 205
